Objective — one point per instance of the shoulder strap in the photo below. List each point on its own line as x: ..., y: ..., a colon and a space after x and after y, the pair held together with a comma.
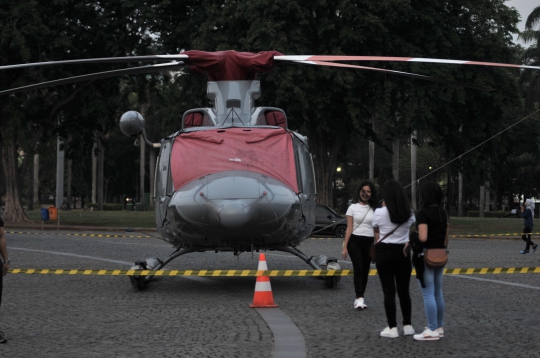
x: 388, y: 234
x: 356, y: 227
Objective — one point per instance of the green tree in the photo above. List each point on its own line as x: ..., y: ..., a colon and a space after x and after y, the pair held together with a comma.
x: 62, y: 29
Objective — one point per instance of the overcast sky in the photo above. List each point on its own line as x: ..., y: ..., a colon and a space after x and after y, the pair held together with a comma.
x: 524, y: 7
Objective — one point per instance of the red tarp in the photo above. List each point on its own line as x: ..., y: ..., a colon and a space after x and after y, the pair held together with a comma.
x: 265, y: 151
x: 231, y: 65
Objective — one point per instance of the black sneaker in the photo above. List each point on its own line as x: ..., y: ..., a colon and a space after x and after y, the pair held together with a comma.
x: 535, y: 247
x: 2, y: 338
x: 523, y: 252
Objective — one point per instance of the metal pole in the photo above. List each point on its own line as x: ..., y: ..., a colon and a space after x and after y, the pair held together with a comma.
x: 59, y: 173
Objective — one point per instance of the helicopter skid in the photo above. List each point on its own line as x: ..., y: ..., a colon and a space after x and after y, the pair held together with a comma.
x: 320, y: 262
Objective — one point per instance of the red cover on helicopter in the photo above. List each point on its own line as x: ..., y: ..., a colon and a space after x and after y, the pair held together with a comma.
x: 231, y: 65
x: 267, y: 151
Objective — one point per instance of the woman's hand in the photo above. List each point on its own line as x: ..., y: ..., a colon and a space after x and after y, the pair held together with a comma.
x: 344, y: 252
x: 5, y: 269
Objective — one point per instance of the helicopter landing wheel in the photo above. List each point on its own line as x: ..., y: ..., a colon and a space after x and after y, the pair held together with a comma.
x: 139, y: 282
x: 331, y: 282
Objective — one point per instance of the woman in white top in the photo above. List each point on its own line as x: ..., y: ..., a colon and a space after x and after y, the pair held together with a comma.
x: 391, y: 224
x: 359, y: 237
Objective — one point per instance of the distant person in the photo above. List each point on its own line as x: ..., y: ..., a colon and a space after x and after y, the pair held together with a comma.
x: 391, y: 224
x: 5, y: 262
x: 358, y: 239
x: 527, y: 213
x: 432, y: 223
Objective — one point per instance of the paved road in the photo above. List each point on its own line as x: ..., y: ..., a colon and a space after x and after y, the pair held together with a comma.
x: 104, y: 316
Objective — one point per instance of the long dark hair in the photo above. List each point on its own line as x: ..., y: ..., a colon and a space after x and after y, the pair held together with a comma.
x: 396, y: 201
x: 373, y: 202
x: 430, y: 194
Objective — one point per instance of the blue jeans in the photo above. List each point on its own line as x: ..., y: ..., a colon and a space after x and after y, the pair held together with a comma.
x: 433, y: 297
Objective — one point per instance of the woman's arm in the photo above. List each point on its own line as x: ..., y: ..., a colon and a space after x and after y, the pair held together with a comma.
x: 376, y: 233
x: 422, y: 232
x: 348, y: 234
x: 446, y: 236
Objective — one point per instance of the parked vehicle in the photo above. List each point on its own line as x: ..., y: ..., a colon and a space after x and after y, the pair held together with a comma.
x: 328, y: 222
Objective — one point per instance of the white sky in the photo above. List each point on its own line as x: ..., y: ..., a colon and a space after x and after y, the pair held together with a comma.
x: 524, y: 7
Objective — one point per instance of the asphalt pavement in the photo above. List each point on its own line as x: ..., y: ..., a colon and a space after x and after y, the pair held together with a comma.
x: 104, y: 316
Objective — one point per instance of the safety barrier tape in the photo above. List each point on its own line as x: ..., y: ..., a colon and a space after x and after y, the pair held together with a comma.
x: 312, y: 238
x: 83, y: 235
x: 253, y: 273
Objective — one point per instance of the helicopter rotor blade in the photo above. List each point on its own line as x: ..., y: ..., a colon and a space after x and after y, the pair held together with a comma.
x: 398, y: 73
x: 399, y: 59
x: 99, y: 75
x: 150, y: 58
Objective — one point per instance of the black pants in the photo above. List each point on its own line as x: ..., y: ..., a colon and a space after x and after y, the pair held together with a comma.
x: 358, y: 249
x: 527, y: 238
x: 394, y: 271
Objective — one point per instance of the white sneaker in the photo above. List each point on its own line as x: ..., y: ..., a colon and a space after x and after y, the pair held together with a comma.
x: 441, y: 332
x: 427, y: 335
x: 408, y: 330
x: 359, y: 304
x: 390, y: 332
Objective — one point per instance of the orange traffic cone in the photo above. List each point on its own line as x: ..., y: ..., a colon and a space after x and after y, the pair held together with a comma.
x: 263, y: 297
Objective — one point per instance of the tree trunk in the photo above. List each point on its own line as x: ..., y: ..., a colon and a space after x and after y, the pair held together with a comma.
x: 101, y: 157
x: 371, y: 161
x: 413, y: 171
x: 481, y: 201
x: 460, y: 194
x: 36, y: 181
x: 487, y: 202
x: 13, y: 211
x: 94, y: 169
x: 30, y: 189
x: 68, y: 185
x: 395, y: 159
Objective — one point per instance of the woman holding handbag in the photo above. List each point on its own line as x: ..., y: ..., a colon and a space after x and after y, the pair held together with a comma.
x: 391, y: 225
x: 432, y: 223
x: 358, y: 239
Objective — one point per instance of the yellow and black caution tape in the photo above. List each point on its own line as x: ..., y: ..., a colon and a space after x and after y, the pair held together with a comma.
x: 515, y: 234
x: 83, y: 235
x: 254, y: 273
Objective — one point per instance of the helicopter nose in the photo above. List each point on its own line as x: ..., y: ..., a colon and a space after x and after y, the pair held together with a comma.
x: 235, y: 214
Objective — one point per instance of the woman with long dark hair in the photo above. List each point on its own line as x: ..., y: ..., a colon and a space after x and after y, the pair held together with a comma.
x: 433, y: 226
x: 358, y: 239
x: 391, y: 225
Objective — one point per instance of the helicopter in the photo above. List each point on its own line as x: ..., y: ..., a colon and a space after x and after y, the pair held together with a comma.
x: 234, y: 177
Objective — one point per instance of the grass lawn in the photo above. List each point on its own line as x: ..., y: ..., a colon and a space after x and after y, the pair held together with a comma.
x: 494, y: 227
x: 139, y: 219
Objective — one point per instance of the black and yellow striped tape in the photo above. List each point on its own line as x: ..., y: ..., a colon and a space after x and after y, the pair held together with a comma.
x: 83, y: 235
x: 254, y: 273
x: 515, y: 234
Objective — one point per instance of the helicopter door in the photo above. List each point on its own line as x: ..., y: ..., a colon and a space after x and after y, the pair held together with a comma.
x: 163, y: 183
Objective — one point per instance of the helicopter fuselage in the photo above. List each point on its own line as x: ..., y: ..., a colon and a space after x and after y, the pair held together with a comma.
x: 234, y: 178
